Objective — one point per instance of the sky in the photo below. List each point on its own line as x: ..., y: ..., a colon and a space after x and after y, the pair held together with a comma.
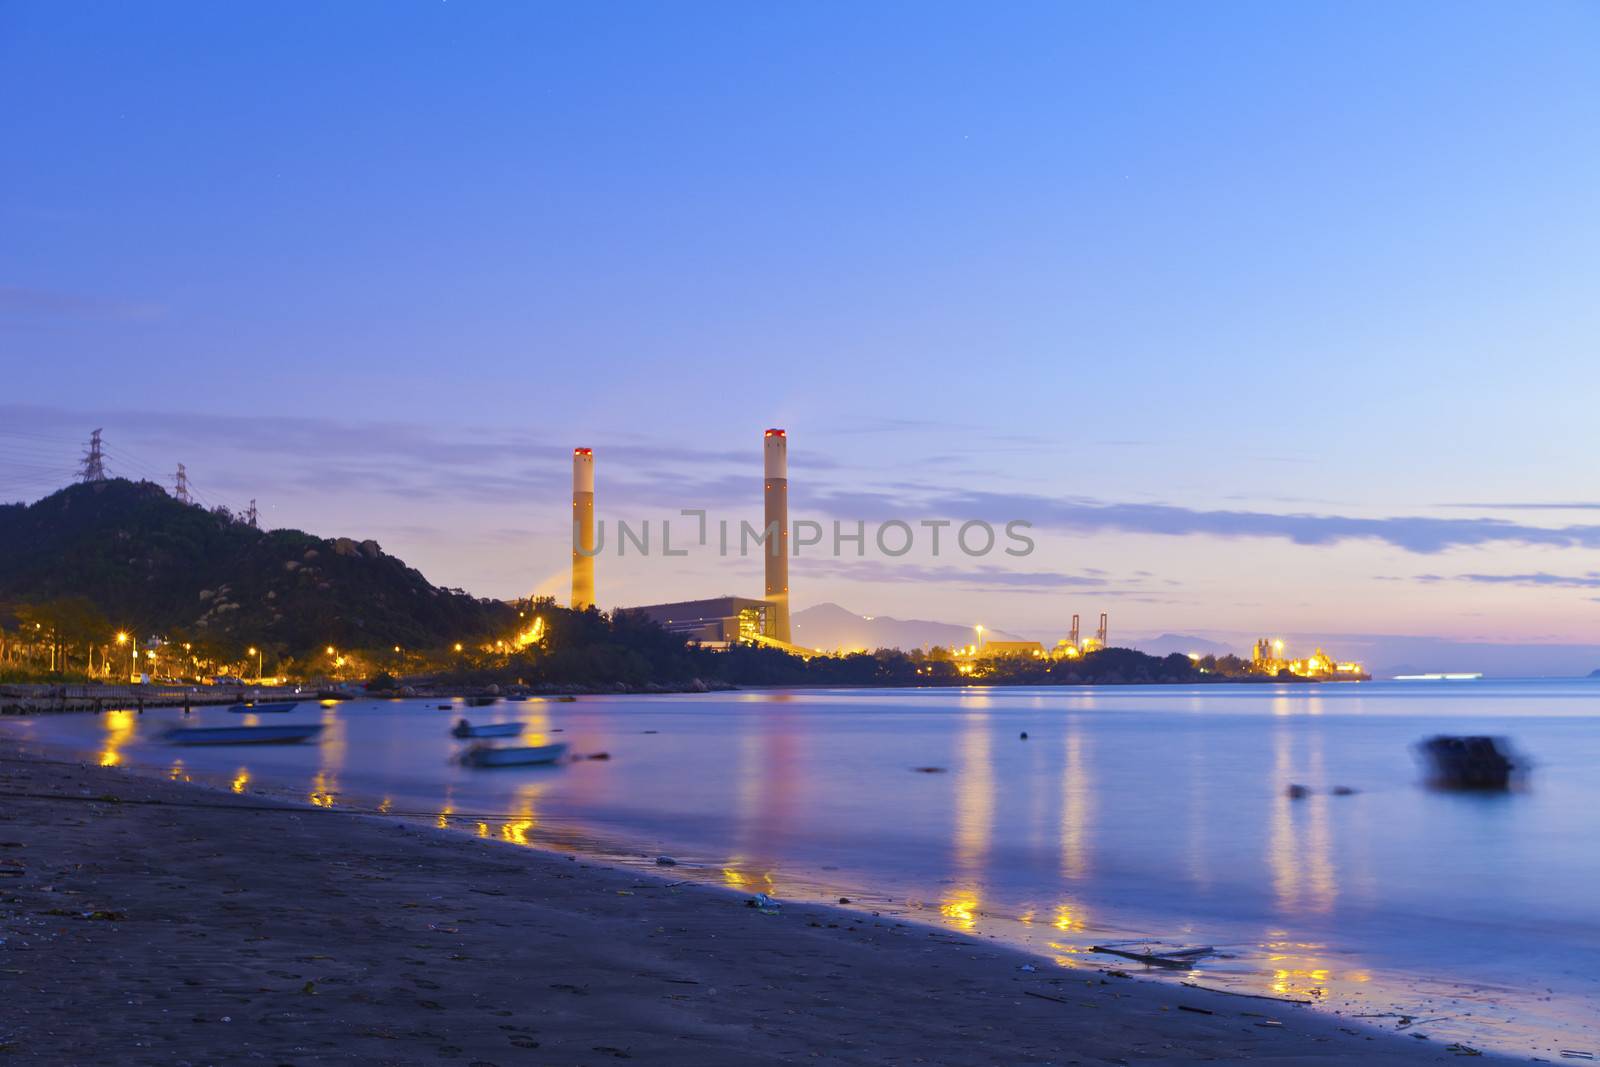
x: 1270, y: 318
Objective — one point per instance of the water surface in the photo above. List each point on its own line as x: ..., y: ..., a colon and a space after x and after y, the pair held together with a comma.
x: 1130, y: 811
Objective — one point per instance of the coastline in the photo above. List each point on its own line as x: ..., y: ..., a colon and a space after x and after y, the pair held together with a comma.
x: 151, y: 921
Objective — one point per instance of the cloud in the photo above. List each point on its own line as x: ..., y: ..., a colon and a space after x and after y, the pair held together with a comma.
x: 984, y: 577
x: 1540, y: 579
x: 1574, y: 505
x: 1419, y: 534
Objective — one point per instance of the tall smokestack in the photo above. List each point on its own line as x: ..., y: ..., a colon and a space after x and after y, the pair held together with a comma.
x: 775, y: 446
x: 583, y: 528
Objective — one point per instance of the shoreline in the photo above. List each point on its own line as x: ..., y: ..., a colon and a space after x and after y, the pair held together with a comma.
x: 45, y: 698
x: 322, y: 936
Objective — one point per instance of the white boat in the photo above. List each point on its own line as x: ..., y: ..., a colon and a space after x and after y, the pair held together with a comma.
x: 521, y: 756
x: 287, y: 734
x: 465, y: 729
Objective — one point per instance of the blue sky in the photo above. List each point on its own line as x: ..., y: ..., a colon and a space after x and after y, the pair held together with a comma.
x: 1154, y: 275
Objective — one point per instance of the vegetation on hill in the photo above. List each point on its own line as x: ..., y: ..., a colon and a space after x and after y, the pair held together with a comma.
x: 102, y: 557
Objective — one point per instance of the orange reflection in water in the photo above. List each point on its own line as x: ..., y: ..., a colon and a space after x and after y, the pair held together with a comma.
x: 974, y: 818
x: 119, y: 728
x: 241, y: 780
x: 524, y: 818
x: 1300, y: 835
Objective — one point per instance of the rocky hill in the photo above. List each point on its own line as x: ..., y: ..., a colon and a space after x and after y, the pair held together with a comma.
x: 156, y: 565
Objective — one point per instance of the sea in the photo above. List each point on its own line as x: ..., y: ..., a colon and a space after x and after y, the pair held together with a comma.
x: 1076, y: 822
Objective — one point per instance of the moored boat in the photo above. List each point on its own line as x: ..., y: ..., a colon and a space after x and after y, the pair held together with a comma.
x: 480, y: 702
x: 490, y: 756
x: 264, y: 709
x: 463, y: 728
x: 287, y: 734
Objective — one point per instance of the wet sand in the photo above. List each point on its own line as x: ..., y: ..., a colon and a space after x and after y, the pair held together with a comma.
x: 154, y: 922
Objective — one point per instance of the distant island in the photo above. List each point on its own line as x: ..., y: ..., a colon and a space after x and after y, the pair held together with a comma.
x: 116, y: 580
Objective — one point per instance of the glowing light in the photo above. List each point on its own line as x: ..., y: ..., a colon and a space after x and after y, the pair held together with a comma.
x: 240, y: 781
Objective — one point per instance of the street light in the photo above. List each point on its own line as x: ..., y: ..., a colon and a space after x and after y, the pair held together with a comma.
x: 256, y: 652
x: 979, y: 628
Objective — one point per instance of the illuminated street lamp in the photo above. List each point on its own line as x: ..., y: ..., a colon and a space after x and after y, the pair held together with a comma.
x: 256, y: 652
x: 979, y: 628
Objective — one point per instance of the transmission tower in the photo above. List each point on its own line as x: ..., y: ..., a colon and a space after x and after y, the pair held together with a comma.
x: 94, y: 461
x: 250, y: 515
x: 183, y: 486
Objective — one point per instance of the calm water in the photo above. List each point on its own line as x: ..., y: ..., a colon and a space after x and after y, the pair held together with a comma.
x: 1128, y: 812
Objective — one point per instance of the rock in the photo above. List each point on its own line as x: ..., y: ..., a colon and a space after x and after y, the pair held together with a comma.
x: 1297, y: 792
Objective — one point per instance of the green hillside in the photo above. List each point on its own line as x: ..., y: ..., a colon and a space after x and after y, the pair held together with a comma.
x: 152, y: 564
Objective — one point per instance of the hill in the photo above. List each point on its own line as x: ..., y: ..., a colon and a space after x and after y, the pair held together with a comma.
x: 829, y: 627
x: 153, y: 564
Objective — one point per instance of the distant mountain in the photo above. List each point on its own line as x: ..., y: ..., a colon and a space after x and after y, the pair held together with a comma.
x: 829, y: 627
x: 153, y: 564
x: 1167, y: 644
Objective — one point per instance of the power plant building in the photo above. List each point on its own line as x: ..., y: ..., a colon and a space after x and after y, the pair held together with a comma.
x: 718, y: 621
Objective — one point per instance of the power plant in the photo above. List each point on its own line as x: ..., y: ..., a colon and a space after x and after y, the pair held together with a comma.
x: 775, y: 446
x: 583, y: 546
x: 719, y: 620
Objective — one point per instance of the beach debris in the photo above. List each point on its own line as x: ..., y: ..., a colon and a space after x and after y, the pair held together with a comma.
x: 1462, y: 1050
x: 844, y: 900
x: 1027, y: 968
x: 1576, y: 1054
x: 1343, y: 791
x: 666, y: 861
x: 762, y: 902
x: 1296, y: 791
x: 1023, y: 736
x: 1197, y: 1011
x: 1045, y: 996
x: 1156, y: 953
x: 1469, y: 762
x: 930, y: 770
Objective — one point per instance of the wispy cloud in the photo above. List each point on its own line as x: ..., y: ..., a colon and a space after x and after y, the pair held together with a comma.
x: 1419, y: 534
x: 1538, y: 579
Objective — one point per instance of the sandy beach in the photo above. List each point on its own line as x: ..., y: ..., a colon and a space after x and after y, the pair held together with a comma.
x: 155, y: 922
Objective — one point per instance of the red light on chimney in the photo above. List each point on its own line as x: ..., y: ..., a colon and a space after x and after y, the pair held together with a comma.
x: 775, y: 433
x: 583, y: 451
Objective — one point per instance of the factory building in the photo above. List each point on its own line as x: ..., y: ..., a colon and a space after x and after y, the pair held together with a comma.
x: 719, y: 621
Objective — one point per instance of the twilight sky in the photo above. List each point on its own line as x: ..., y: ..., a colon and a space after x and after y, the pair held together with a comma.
x: 1270, y: 317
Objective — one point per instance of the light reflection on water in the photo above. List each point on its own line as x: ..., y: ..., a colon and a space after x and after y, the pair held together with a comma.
x: 1128, y: 812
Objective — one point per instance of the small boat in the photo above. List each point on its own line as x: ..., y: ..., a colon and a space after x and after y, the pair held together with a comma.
x: 287, y: 734
x: 490, y: 756
x: 463, y: 728
x: 264, y: 709
x: 480, y: 702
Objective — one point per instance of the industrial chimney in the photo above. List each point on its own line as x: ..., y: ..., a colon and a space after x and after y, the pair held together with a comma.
x: 775, y: 446
x: 583, y: 528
